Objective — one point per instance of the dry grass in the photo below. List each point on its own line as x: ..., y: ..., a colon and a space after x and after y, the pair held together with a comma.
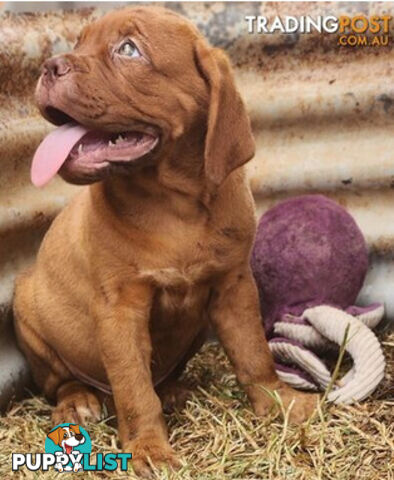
x: 218, y: 436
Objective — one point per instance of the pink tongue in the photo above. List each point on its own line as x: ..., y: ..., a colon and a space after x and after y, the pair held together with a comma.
x: 53, y: 151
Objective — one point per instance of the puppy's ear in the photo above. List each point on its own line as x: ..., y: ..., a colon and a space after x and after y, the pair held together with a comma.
x: 229, y: 142
x: 56, y: 436
x: 75, y: 429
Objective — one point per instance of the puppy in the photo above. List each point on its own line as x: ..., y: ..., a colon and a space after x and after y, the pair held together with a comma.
x: 67, y: 438
x: 139, y: 264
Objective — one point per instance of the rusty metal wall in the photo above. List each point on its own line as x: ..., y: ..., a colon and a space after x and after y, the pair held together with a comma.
x: 323, y: 117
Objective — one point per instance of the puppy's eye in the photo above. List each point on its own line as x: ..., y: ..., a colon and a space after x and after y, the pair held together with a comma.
x: 129, y: 49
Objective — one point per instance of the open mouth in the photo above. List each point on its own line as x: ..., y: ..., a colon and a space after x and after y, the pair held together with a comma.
x: 84, y: 152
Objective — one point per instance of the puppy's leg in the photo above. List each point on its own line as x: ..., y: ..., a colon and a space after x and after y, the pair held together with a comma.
x: 235, y: 314
x: 49, y: 372
x: 125, y: 343
x: 76, y: 403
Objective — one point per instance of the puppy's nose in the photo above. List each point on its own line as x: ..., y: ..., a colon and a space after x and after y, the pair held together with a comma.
x: 79, y: 436
x: 56, y: 67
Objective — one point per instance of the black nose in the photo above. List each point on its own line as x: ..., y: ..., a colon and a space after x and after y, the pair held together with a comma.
x: 79, y: 436
x: 56, y: 67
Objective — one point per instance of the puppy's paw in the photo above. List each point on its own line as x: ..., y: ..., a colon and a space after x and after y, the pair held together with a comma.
x: 302, y: 404
x: 173, y: 396
x: 151, y: 451
x: 78, y: 406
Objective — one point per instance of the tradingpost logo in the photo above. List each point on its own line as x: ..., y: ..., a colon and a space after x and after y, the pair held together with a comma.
x: 68, y: 448
x: 352, y: 31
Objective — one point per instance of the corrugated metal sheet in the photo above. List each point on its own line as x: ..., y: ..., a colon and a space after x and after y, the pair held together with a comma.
x: 323, y: 117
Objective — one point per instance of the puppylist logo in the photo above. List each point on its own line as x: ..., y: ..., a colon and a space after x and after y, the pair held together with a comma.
x: 68, y: 448
x: 359, y: 30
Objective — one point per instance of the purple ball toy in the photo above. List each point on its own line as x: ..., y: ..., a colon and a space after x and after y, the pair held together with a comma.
x: 309, y: 261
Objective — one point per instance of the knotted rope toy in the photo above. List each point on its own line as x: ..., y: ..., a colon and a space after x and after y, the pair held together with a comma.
x: 309, y: 261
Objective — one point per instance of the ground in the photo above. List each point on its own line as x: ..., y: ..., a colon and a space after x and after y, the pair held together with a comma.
x: 217, y: 435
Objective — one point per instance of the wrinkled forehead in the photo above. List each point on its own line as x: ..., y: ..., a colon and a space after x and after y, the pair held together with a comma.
x: 153, y: 26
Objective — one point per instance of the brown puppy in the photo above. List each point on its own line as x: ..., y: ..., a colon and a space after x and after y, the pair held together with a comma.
x: 133, y: 270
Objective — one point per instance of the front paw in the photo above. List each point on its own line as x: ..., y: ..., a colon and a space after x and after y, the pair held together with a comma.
x: 148, y: 451
x: 302, y: 404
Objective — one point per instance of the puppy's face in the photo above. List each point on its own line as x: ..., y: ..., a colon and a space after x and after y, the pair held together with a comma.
x: 135, y: 82
x: 67, y: 437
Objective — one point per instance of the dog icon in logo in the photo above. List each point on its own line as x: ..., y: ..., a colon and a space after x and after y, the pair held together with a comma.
x: 68, y: 438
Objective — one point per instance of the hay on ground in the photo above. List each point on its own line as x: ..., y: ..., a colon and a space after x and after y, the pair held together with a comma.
x: 217, y: 436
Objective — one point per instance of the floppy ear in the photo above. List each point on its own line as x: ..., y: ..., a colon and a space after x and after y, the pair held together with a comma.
x: 56, y: 435
x: 229, y: 142
x: 75, y: 429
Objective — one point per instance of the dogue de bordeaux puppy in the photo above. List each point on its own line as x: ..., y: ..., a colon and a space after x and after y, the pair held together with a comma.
x: 139, y: 264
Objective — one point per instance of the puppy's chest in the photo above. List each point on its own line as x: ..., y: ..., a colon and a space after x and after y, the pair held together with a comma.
x: 192, y: 261
x: 183, y: 284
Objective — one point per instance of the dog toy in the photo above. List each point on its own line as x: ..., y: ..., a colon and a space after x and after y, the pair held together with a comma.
x: 309, y: 261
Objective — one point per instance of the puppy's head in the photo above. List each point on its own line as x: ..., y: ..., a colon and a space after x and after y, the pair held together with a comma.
x: 71, y: 435
x: 138, y: 81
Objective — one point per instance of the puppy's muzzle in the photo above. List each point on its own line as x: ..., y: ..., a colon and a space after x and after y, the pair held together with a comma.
x: 55, y: 68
